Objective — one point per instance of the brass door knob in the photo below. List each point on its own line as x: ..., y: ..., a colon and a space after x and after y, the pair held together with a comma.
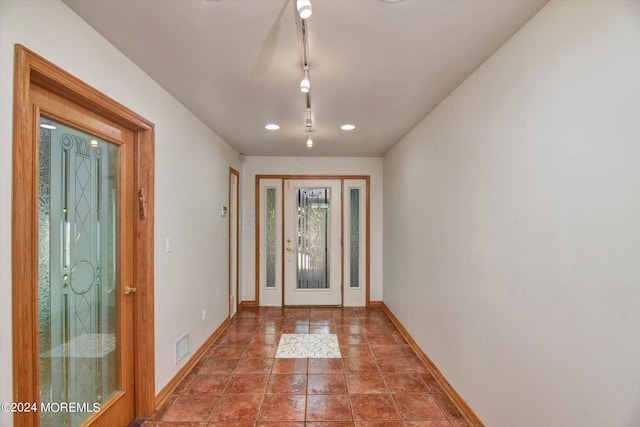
x: 128, y: 290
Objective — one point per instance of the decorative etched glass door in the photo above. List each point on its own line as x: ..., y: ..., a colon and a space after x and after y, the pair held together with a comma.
x: 313, y: 227
x: 80, y: 275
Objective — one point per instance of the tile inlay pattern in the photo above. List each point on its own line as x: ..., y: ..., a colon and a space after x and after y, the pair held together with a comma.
x: 377, y: 380
x: 322, y: 346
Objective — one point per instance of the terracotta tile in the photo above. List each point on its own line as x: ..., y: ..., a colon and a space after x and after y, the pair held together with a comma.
x: 373, y: 407
x: 160, y: 413
x: 238, y: 382
x: 229, y: 424
x: 290, y: 366
x: 297, y: 322
x: 380, y: 339
x: 431, y: 383
x: 360, y: 365
x: 287, y: 384
x: 432, y: 423
x: 328, y: 408
x: 322, y: 329
x: 298, y: 312
x: 399, y: 338
x: 322, y: 321
x: 259, y: 338
x: 273, y: 328
x: 279, y: 407
x: 418, y: 407
x: 208, y: 384
x: 279, y: 424
x: 261, y: 350
x: 218, y: 366
x: 296, y: 329
x: 365, y: 383
x: 236, y: 338
x: 346, y: 320
x: 328, y: 424
x: 355, y: 350
x: 185, y: 382
x: 171, y: 424
x: 459, y: 423
x: 238, y: 408
x: 348, y: 339
x: 247, y: 384
x: 326, y: 384
x: 409, y: 353
x: 229, y: 351
x: 349, y: 329
x: 325, y: 366
x: 192, y: 408
x: 447, y: 406
x: 395, y: 365
x: 387, y: 351
x: 252, y: 365
x: 378, y: 424
x: 405, y: 383
x: 321, y: 313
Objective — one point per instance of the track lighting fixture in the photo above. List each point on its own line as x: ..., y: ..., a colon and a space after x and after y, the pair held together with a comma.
x: 305, y: 84
x: 308, y: 123
x: 304, y: 8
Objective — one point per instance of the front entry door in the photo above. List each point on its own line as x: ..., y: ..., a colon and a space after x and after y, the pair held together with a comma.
x: 312, y: 242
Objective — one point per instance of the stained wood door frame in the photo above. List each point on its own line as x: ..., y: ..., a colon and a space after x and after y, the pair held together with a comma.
x: 283, y: 178
x: 32, y: 70
x: 235, y: 211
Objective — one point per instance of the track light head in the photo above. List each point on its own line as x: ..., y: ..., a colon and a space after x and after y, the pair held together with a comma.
x: 305, y: 84
x: 304, y: 8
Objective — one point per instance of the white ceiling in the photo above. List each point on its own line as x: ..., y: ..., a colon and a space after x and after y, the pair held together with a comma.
x: 237, y: 64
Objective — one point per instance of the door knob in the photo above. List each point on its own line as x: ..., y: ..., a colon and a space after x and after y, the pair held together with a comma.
x: 128, y: 290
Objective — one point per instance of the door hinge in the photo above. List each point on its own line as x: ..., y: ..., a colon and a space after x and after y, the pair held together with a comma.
x: 141, y: 202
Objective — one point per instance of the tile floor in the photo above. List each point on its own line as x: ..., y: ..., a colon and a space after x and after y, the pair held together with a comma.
x: 378, y: 381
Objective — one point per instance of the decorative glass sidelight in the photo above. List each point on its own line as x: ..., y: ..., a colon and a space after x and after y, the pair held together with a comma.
x: 312, y: 249
x: 78, y: 285
x: 354, y: 238
x: 271, y: 228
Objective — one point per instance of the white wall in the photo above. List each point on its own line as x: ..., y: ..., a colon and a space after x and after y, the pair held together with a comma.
x: 512, y: 224
x: 191, y: 179
x: 255, y: 165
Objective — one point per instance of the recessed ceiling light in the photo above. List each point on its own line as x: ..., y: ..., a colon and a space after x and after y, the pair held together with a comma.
x: 391, y: 1
x: 347, y: 126
x: 272, y: 126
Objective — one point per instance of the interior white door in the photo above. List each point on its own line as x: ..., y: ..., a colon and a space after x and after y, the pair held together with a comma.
x: 313, y: 249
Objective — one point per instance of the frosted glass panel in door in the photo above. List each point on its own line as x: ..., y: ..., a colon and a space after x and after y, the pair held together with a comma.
x: 78, y: 272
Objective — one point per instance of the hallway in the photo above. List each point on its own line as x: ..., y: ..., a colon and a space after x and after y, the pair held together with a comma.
x: 378, y: 381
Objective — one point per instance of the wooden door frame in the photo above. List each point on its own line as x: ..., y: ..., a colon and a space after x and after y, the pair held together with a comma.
x: 342, y: 179
x: 232, y: 173
x: 31, y: 70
